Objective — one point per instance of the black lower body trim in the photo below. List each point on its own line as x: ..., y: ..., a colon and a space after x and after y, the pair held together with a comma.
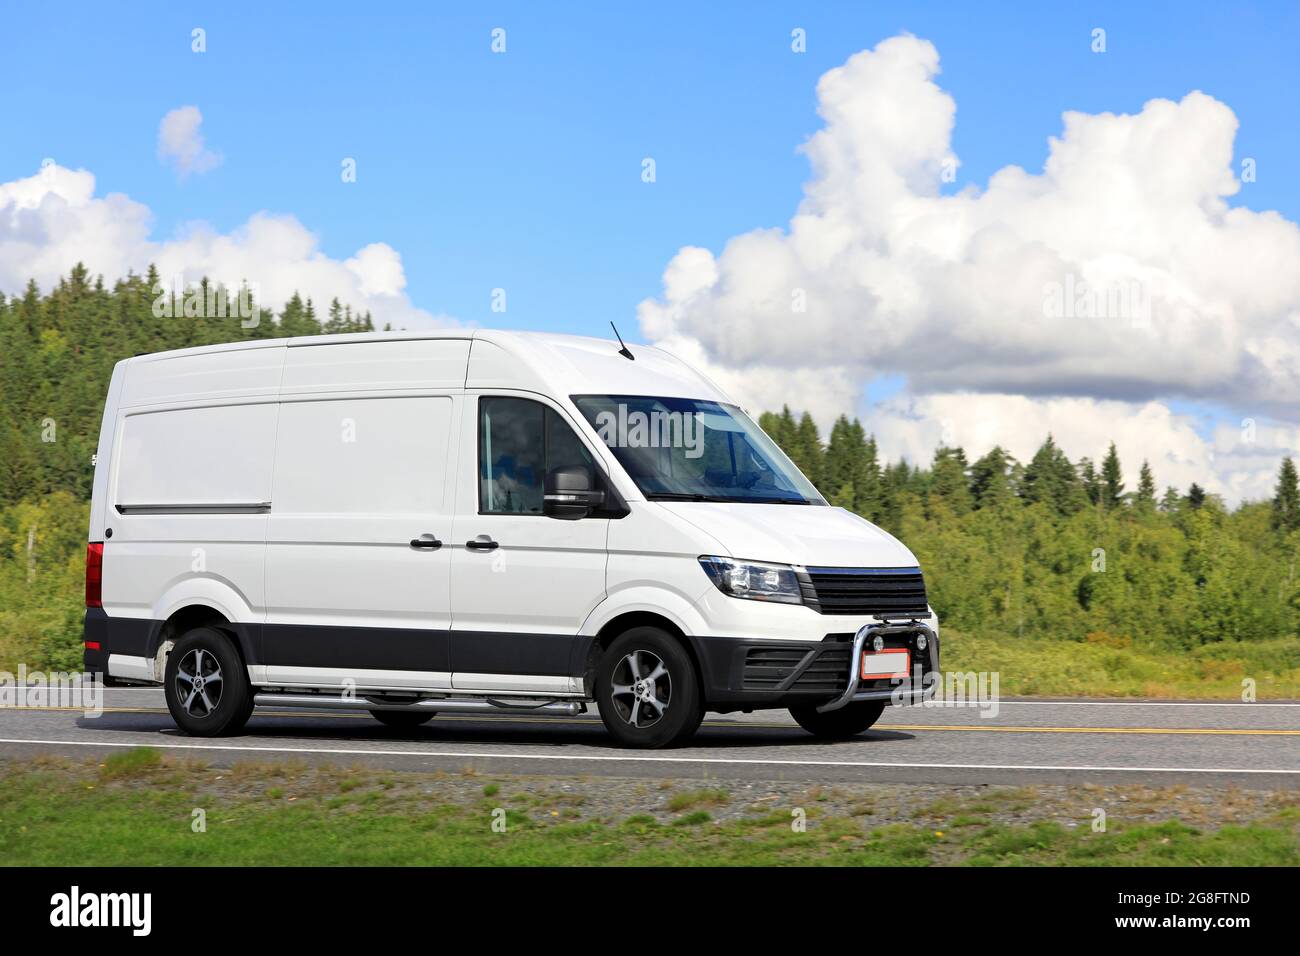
x: 368, y: 648
x: 493, y: 652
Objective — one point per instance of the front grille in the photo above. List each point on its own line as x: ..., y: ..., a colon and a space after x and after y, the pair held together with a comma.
x: 767, y: 668
x: 886, y: 591
x: 823, y: 668
x: 829, y: 670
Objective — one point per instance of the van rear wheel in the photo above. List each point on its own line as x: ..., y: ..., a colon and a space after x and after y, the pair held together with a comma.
x: 402, y: 719
x: 206, y: 685
x: 647, y: 690
x: 848, y: 721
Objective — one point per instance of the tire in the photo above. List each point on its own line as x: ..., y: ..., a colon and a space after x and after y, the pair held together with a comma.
x: 660, y: 704
x: 223, y: 700
x: 848, y: 721
x: 402, y: 719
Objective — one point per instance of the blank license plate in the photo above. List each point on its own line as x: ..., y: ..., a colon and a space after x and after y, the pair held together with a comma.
x: 889, y: 663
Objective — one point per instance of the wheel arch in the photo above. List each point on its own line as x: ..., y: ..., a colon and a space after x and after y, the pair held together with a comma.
x: 190, y: 616
x: 621, y: 624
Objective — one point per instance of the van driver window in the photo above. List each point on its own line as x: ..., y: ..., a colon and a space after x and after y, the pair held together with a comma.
x: 519, y: 441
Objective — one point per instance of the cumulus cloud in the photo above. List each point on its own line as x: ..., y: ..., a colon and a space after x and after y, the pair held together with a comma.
x: 52, y: 220
x: 180, y: 142
x: 1118, y: 275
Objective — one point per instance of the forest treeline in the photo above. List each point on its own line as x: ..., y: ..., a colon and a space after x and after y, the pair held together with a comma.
x: 1049, y: 549
x: 1057, y: 549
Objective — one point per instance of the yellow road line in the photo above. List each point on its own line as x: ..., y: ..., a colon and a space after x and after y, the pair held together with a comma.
x: 1244, y: 731
x: 977, y: 728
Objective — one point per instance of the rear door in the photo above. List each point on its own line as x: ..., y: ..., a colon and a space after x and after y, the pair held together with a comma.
x: 522, y: 583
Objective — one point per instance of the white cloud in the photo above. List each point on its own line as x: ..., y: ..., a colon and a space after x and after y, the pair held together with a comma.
x: 50, y: 221
x: 1117, y: 276
x: 180, y: 143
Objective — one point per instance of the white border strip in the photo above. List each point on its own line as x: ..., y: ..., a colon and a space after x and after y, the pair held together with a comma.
x: 609, y: 758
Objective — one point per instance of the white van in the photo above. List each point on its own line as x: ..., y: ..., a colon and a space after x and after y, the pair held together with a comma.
x: 480, y: 522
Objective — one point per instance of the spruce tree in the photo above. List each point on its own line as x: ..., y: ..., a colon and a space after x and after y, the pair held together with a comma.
x: 1146, y: 493
x: 868, y: 494
x: 1112, y: 491
x: 991, y: 479
x: 1051, y: 479
x: 1286, y: 498
x: 949, y: 481
x: 842, y: 457
x: 810, y: 454
x: 336, y: 322
x: 1090, y: 480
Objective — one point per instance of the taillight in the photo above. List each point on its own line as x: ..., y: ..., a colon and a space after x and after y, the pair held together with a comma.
x: 95, y: 574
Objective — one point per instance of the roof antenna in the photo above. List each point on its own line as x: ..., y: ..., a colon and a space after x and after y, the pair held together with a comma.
x: 623, y: 349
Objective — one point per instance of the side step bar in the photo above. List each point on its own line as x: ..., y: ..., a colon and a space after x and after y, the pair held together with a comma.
x: 441, y: 705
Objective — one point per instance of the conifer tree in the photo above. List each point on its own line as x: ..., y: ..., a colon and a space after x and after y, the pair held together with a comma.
x: 1286, y: 498
x: 867, y: 493
x: 949, y: 481
x: 1146, y: 493
x: 1090, y: 480
x: 1051, y: 479
x: 991, y: 479
x: 808, y: 445
x: 1112, y: 490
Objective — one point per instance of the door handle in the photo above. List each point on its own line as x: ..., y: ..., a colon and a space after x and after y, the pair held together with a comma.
x: 426, y: 542
x: 482, y: 543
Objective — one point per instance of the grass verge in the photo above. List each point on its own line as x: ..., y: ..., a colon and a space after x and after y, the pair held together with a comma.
x: 1033, y: 667
x: 145, y: 809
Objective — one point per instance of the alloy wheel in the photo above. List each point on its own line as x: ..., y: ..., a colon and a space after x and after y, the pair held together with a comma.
x: 199, y: 683
x: 641, y: 689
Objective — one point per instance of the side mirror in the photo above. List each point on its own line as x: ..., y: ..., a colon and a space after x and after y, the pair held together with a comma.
x: 568, y: 494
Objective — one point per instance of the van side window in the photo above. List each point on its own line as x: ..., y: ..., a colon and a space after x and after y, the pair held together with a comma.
x: 519, y: 442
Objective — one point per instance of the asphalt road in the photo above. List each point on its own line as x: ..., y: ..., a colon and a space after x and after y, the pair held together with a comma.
x: 1028, y: 741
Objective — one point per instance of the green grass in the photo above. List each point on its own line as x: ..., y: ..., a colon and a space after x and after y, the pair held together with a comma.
x: 138, y: 809
x: 697, y: 798
x: 1052, y: 668
x: 130, y: 764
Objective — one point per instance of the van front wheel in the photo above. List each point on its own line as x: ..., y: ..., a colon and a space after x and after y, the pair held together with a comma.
x: 206, y: 685
x: 647, y: 690
x: 848, y: 721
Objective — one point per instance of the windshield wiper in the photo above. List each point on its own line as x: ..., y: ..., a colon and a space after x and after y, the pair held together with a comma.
x: 683, y: 496
x: 695, y: 496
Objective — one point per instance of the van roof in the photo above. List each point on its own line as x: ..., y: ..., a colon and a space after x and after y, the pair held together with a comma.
x: 540, y: 361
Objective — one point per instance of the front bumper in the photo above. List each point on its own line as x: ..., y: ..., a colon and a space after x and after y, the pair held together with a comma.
x: 752, y: 674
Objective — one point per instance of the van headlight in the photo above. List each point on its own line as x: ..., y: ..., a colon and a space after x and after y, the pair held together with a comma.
x: 755, y: 580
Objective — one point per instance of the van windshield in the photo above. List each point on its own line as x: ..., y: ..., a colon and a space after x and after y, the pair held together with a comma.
x: 684, y: 449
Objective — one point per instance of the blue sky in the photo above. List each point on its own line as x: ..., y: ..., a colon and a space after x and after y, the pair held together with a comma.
x: 522, y: 170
